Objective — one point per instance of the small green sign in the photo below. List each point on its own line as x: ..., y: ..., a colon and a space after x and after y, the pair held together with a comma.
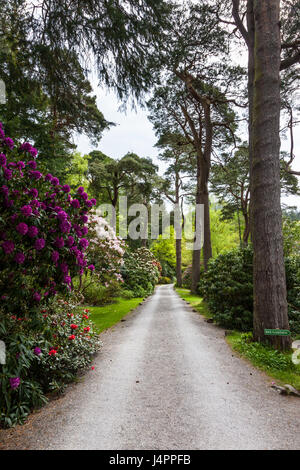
x: 277, y: 332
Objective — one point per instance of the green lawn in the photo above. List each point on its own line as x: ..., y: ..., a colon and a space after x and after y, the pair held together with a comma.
x: 276, y: 364
x: 108, y: 315
x: 195, y: 300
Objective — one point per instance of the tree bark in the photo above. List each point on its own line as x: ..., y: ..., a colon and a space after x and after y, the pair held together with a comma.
x: 202, y: 197
x: 178, y: 263
x: 270, y: 304
x: 246, y: 232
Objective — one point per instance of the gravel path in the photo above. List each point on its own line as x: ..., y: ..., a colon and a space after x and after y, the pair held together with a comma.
x: 165, y: 379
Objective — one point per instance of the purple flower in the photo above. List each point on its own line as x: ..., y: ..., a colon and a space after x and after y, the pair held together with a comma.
x: 84, y: 196
x: 94, y: 201
x: 32, y: 164
x: 34, y: 193
x: 75, y: 203
x: 65, y: 226
x: 62, y: 215
x: 85, y: 230
x: 80, y: 190
x: 33, y: 152
x: 21, y: 165
x: 35, y: 203
x: 89, y: 203
x: 37, y: 351
x: 67, y: 280
x: 40, y: 244
x: 9, y: 142
x: 48, y: 177
x: 59, y: 242
x: 33, y: 231
x: 91, y: 267
x: 7, y: 174
x: 14, y: 382
x: 2, y: 159
x: 71, y: 241
x: 64, y: 268
x: 55, y: 181
x: 22, y: 228
x: 84, y: 219
x: 19, y: 258
x: 26, y: 211
x: 36, y: 175
x: 55, y: 256
x: 37, y: 297
x: 5, y: 190
x: 8, y: 247
x: 66, y: 188
x: 84, y: 243
x: 26, y: 147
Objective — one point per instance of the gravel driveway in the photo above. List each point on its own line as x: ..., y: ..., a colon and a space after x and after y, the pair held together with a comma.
x: 165, y: 379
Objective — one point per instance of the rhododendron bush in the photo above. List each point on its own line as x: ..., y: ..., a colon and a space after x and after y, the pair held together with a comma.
x: 105, y: 253
x: 42, y: 359
x: 141, y: 272
x: 43, y: 247
x: 43, y: 229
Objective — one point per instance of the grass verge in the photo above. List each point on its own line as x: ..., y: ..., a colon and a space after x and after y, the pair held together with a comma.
x: 274, y: 363
x: 195, y: 301
x: 108, y: 315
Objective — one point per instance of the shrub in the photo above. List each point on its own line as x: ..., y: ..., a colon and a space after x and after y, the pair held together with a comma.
x: 227, y: 287
x: 165, y: 280
x: 42, y: 230
x: 127, y: 294
x: 140, y: 272
x: 43, y: 359
x: 292, y: 265
x: 187, y: 278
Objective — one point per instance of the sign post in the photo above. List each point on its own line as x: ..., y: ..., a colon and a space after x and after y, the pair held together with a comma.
x: 277, y: 332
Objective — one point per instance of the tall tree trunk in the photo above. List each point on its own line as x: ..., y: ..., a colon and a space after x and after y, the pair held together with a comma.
x: 251, y: 37
x: 196, y: 251
x: 202, y: 197
x: 207, y: 248
x: 178, y: 263
x: 270, y: 304
x: 246, y: 233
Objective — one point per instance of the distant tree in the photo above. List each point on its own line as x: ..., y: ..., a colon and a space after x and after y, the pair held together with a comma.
x: 230, y: 182
x: 176, y: 153
x: 199, y: 89
x: 130, y: 176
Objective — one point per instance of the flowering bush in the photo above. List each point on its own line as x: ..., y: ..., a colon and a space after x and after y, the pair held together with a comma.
x: 42, y: 360
x: 43, y: 229
x: 105, y: 253
x: 140, y: 271
x: 43, y: 246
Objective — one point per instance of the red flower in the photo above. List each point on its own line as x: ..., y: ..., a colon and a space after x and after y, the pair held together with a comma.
x: 87, y: 329
x: 85, y: 316
x: 93, y: 368
x: 86, y: 310
x: 72, y: 337
x: 53, y: 352
x: 74, y: 327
